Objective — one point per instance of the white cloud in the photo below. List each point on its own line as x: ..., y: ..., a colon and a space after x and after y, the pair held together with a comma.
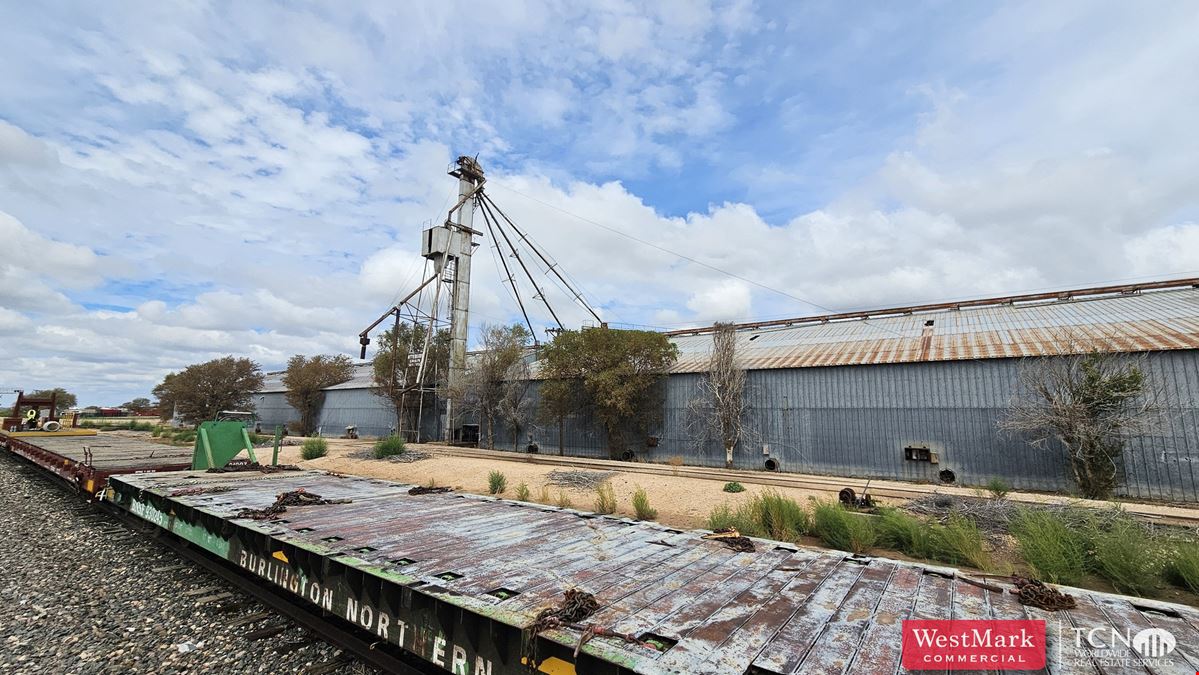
x: 727, y: 300
x: 254, y: 179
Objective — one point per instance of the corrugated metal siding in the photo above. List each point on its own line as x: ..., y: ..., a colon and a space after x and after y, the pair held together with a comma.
x: 855, y: 421
x: 343, y: 407
x: 1152, y: 321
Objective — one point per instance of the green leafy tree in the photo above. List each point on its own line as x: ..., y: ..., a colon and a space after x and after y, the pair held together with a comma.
x: 617, y: 374
x: 202, y: 390
x: 560, y: 398
x: 496, y: 382
x: 396, y: 371
x: 1088, y: 406
x: 65, y: 398
x: 306, y: 379
x: 138, y: 405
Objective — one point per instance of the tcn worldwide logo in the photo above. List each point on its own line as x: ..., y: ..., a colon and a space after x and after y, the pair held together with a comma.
x: 1021, y: 645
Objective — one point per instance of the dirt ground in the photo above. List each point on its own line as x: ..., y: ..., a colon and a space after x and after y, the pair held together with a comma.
x: 681, y: 502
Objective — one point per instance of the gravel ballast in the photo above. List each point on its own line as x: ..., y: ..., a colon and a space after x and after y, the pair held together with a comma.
x: 79, y: 594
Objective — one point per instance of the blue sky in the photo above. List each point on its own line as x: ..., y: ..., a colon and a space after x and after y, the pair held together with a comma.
x: 179, y: 182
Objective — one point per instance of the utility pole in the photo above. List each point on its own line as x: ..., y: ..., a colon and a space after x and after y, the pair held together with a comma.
x: 455, y: 240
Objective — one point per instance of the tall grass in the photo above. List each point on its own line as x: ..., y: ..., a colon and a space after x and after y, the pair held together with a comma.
x: 1182, y: 566
x: 564, y: 500
x: 741, y: 519
x: 641, y: 505
x: 842, y: 529
x: 902, y: 532
x: 389, y: 446
x: 313, y: 448
x: 522, y: 492
x: 497, y: 483
x: 956, y: 542
x: 1056, y: 551
x: 605, y: 498
x: 961, y: 542
x: 780, y: 517
x: 1125, y: 555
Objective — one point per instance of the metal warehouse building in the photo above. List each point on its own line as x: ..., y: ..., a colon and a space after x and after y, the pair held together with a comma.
x: 905, y: 393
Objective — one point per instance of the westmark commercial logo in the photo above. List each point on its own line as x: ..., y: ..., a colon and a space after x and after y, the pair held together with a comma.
x: 973, y: 645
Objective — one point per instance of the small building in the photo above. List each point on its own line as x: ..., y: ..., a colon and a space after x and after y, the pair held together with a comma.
x: 909, y: 393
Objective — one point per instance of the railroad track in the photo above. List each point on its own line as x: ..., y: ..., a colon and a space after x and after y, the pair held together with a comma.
x: 236, y: 592
x: 1158, y: 513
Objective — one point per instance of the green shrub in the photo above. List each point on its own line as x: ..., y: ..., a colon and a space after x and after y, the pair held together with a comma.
x: 959, y: 541
x: 724, y: 517
x: 1125, y: 555
x: 497, y: 483
x: 841, y: 529
x: 734, y: 487
x: 1056, y: 552
x: 998, y: 488
x: 901, y: 532
x: 388, y: 447
x: 605, y: 498
x: 522, y: 492
x: 184, y: 436
x: 313, y: 448
x: 156, y: 432
x: 1182, y: 568
x: 255, y: 438
x: 641, y: 506
x: 780, y: 517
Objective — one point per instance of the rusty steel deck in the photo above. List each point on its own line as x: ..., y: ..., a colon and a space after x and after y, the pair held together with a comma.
x: 454, y: 579
x: 88, y: 461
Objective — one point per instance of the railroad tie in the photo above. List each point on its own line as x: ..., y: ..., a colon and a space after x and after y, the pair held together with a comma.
x: 289, y: 647
x: 200, y: 591
x: 267, y: 632
x: 327, y: 666
x: 249, y: 619
x: 167, y: 568
x: 213, y: 598
x: 234, y: 607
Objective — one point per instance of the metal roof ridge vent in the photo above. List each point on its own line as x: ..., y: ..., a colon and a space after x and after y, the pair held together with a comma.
x: 1097, y: 292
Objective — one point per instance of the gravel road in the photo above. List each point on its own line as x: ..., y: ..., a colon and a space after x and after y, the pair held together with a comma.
x: 79, y: 594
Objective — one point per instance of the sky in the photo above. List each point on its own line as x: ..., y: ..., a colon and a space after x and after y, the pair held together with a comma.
x: 183, y: 181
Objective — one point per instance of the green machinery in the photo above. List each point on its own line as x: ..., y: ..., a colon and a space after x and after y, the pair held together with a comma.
x: 226, y: 437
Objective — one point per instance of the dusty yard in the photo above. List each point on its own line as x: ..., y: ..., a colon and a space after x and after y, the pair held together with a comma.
x: 680, y: 501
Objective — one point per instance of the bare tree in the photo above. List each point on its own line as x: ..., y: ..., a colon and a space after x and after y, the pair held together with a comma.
x: 720, y: 410
x: 514, y: 407
x: 1091, y: 403
x: 485, y: 390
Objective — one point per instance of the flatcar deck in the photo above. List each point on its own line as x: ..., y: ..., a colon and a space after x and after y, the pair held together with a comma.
x: 88, y: 461
x: 454, y: 579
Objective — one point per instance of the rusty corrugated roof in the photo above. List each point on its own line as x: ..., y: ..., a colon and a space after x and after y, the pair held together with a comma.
x: 1148, y: 321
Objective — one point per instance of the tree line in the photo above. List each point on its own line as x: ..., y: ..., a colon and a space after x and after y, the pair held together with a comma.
x: 1084, y: 406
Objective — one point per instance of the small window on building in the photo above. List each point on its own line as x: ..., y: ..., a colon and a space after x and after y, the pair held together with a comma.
x: 929, y: 322
x: 917, y: 454
x: 754, y: 337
